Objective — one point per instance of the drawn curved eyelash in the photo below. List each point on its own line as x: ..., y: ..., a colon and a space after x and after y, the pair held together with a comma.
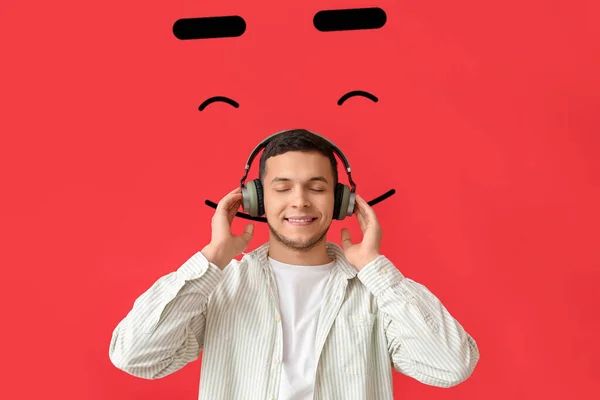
x: 218, y: 98
x: 353, y: 93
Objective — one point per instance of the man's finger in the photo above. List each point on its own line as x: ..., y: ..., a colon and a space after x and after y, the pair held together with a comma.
x: 359, y: 204
x: 234, y: 208
x: 362, y: 203
x: 227, y: 201
x: 236, y: 198
x: 365, y: 209
x: 360, y: 209
x: 346, y: 239
x: 362, y: 221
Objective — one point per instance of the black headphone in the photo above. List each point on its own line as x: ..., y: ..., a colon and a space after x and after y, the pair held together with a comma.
x: 252, y: 193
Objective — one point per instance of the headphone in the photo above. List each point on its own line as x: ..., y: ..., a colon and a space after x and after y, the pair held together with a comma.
x: 252, y: 193
x: 253, y: 199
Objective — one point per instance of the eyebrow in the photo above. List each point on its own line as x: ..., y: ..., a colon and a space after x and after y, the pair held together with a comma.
x: 349, y: 19
x: 209, y: 27
x: 314, y: 178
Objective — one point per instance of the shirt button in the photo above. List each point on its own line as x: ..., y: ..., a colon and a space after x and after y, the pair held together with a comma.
x: 277, y: 318
x: 276, y: 361
x: 384, y: 270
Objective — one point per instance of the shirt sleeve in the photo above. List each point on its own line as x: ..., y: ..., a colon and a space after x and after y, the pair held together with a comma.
x: 165, y: 328
x: 424, y: 341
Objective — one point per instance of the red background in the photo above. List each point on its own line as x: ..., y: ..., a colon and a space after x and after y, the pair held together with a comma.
x: 487, y: 127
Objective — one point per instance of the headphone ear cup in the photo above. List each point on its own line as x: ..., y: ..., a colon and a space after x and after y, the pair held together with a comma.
x: 252, y: 198
x: 260, y: 197
x: 342, y: 201
x: 351, y: 203
x: 338, y: 208
x: 336, y: 203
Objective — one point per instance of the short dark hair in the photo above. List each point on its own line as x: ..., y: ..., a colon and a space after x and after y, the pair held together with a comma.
x: 297, y: 140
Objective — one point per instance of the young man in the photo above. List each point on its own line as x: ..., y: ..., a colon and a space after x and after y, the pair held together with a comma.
x: 299, y: 317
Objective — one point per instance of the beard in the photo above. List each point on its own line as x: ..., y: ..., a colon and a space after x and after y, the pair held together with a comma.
x: 296, y: 245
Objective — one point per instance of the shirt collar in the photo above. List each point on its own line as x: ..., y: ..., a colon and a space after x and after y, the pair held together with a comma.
x: 334, y: 251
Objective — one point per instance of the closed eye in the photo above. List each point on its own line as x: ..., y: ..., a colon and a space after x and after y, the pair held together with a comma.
x: 263, y: 219
x: 285, y: 190
x: 357, y: 93
x: 215, y: 99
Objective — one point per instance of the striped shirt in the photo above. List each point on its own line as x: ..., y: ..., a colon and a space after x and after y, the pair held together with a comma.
x: 370, y: 322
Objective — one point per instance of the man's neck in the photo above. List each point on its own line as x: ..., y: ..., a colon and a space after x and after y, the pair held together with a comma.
x: 315, y: 256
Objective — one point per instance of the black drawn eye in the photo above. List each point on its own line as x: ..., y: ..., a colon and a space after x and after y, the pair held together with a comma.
x: 215, y: 99
x: 349, y: 19
x: 357, y: 93
x: 209, y: 27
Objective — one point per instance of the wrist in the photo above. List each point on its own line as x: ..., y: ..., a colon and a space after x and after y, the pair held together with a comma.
x: 215, y: 255
x: 367, y: 260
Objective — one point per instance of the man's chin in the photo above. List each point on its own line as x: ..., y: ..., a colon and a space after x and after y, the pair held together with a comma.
x: 297, y: 240
x: 300, y: 246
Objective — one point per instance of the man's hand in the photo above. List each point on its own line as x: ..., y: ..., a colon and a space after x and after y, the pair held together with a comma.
x: 362, y: 253
x: 224, y: 245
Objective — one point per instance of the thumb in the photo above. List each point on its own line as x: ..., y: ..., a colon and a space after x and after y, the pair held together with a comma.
x: 248, y: 232
x: 346, y: 240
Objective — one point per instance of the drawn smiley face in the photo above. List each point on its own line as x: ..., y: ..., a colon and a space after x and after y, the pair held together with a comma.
x: 298, y: 70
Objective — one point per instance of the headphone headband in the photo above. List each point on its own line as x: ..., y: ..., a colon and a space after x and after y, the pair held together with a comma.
x: 266, y: 141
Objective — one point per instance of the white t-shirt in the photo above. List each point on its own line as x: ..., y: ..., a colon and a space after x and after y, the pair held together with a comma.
x: 301, y: 290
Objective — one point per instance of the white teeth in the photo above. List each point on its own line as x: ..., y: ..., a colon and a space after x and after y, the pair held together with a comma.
x: 300, y: 220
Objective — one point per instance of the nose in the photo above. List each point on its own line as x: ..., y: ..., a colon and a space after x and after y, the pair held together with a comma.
x: 300, y: 199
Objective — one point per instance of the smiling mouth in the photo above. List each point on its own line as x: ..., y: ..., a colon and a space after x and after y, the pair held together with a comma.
x: 300, y: 222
